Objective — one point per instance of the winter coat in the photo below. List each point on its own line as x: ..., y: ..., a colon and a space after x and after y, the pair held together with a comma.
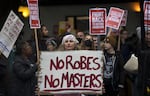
x: 23, y: 79
x: 118, y: 71
x: 3, y: 75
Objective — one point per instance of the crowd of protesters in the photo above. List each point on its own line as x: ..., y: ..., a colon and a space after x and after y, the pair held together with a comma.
x: 22, y: 79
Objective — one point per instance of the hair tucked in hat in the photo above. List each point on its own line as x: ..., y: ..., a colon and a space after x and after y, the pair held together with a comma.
x: 111, y: 40
x: 51, y: 41
x: 69, y: 37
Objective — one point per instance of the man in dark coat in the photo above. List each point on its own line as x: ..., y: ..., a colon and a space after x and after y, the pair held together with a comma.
x: 143, y: 83
x: 3, y: 75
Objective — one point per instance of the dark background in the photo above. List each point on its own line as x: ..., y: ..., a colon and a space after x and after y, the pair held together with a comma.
x: 65, y: 2
x: 7, y: 5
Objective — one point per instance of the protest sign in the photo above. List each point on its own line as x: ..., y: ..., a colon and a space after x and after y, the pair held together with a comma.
x: 9, y: 33
x: 147, y: 13
x: 34, y: 14
x: 97, y: 18
x: 71, y: 72
x: 114, y: 18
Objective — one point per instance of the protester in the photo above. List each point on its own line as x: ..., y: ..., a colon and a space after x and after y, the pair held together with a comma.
x: 51, y: 44
x: 87, y: 42
x: 44, y: 36
x: 143, y: 82
x: 68, y: 27
x: 124, y: 48
x: 60, y: 37
x: 69, y: 42
x: 95, y: 42
x: 113, y: 69
x: 3, y: 75
x: 23, y: 80
x: 88, y: 45
x: 88, y: 37
x: 126, y: 52
x: 80, y: 35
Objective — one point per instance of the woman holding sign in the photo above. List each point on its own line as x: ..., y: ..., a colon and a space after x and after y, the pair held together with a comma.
x: 69, y: 42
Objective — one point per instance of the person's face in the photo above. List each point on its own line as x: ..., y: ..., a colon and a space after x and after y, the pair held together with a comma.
x: 80, y: 35
x: 107, y: 45
x: 50, y: 47
x: 95, y: 41
x: 69, y: 45
x: 88, y: 37
x: 44, y: 31
x: 27, y: 49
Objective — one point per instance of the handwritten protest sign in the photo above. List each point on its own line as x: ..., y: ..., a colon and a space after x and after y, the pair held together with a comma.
x: 9, y: 33
x: 114, y: 18
x: 34, y: 14
x: 97, y: 18
x: 71, y: 72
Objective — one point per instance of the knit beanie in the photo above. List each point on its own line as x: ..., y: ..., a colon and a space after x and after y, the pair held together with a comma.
x: 51, y: 41
x: 111, y: 40
x: 69, y: 37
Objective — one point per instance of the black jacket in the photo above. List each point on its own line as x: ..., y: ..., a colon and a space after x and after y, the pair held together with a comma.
x: 118, y: 71
x: 23, y: 80
x: 3, y: 75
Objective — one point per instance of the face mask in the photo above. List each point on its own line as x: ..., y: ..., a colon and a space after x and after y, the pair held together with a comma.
x: 88, y: 43
x: 79, y: 39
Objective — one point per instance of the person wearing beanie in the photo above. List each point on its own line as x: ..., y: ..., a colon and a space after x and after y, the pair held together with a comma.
x: 51, y: 44
x: 69, y: 42
x: 113, y: 69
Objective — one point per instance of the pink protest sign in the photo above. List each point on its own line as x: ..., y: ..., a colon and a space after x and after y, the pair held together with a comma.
x: 114, y: 18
